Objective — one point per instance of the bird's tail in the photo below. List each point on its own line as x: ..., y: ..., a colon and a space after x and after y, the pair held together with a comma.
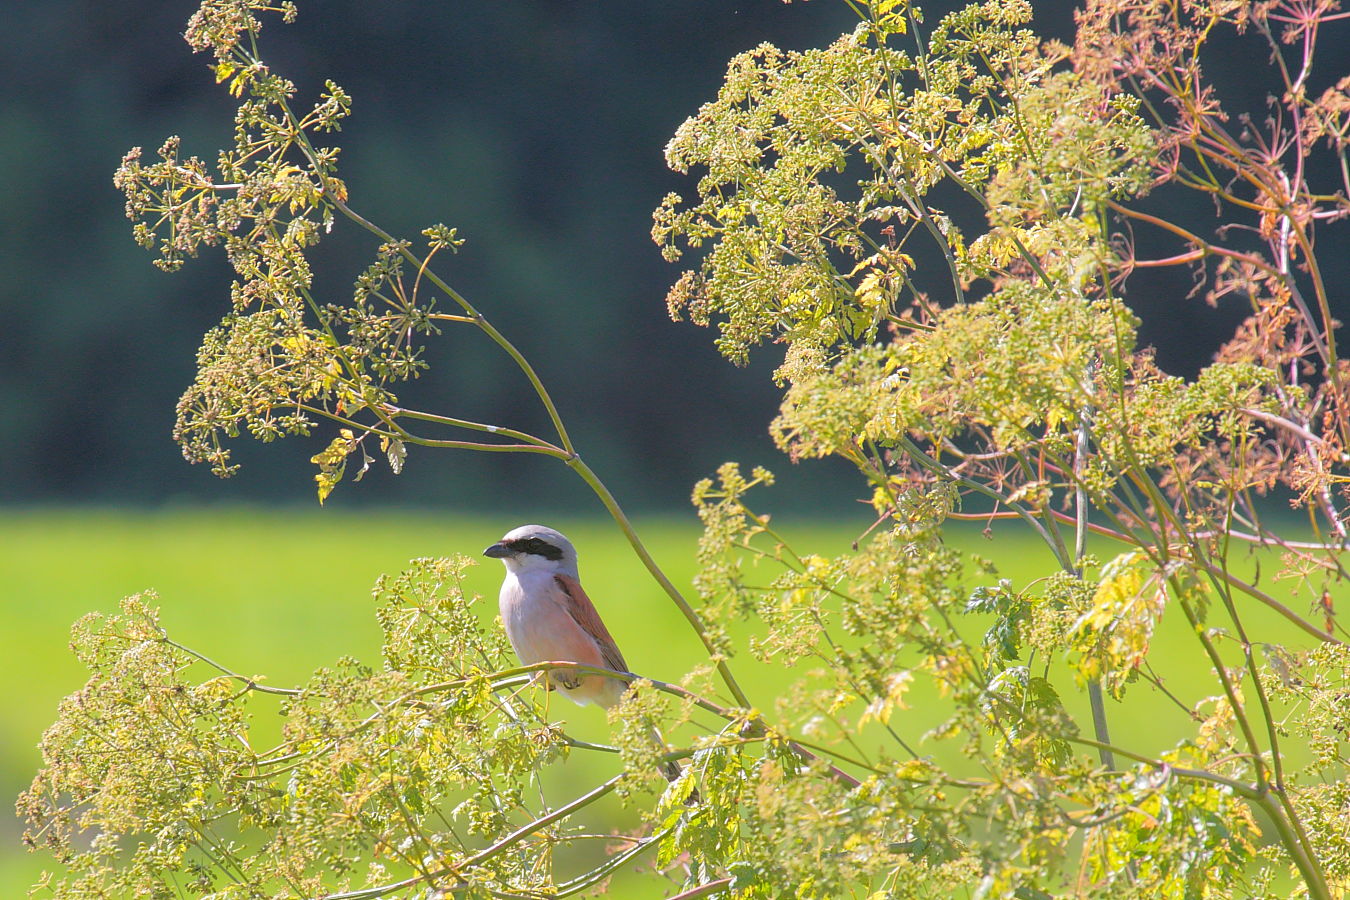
x: 670, y: 769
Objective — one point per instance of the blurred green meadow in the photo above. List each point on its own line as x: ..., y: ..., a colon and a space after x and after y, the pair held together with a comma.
x: 281, y: 593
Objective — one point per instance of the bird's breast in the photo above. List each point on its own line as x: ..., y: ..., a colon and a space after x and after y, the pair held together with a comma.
x: 540, y: 627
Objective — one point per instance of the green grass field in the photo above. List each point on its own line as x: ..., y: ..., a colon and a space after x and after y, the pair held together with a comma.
x: 281, y: 593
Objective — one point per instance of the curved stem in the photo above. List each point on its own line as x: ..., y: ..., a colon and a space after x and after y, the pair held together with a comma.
x: 484, y: 855
x: 338, y: 201
x: 478, y: 318
x: 1269, y: 601
x: 695, y: 621
x: 249, y: 683
x: 704, y: 890
x: 524, y: 437
x: 1240, y: 788
x: 581, y: 883
x: 754, y: 727
x: 1307, y: 865
x: 573, y: 460
x: 541, y: 447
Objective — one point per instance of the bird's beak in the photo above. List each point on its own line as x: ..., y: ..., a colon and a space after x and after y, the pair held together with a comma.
x: 497, y: 551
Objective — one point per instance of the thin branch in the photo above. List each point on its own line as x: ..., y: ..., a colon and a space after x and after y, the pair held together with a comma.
x: 704, y: 890
x: 690, y: 615
x: 1082, y: 448
x: 602, y: 871
x: 1269, y: 601
x: 484, y: 855
x: 1251, y: 792
x: 473, y: 426
x: 250, y: 683
x: 755, y: 727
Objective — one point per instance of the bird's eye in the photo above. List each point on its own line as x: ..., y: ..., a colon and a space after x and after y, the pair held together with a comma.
x: 537, y: 547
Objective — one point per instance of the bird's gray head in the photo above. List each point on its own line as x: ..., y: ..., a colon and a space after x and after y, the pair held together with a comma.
x: 532, y: 547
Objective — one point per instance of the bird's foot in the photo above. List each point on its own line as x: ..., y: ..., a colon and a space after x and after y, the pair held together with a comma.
x: 569, y: 680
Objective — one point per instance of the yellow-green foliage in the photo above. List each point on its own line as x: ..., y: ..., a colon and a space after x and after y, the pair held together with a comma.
x: 1020, y: 391
x: 383, y: 765
x: 1017, y: 391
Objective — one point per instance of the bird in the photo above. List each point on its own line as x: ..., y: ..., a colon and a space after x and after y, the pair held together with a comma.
x: 549, y: 618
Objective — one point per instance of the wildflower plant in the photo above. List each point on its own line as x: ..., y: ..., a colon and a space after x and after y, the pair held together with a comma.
x: 1019, y: 391
x: 830, y: 181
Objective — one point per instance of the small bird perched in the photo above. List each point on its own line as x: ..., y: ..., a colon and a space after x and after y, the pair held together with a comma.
x: 549, y: 618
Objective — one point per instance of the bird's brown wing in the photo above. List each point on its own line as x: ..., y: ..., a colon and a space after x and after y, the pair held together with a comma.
x: 583, y: 611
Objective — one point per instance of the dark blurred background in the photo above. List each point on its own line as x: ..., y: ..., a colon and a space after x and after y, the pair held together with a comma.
x: 536, y: 127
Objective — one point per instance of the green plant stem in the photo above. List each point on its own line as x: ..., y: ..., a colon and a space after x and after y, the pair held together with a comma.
x: 1097, y: 703
x: 483, y: 855
x: 602, y: 871
x: 397, y: 411
x: 250, y: 683
x: 398, y: 431
x: 1240, y: 788
x: 573, y: 460
x: 1164, y: 511
x: 704, y: 890
x: 335, y: 198
x: 1251, y: 590
x: 755, y: 726
x: 1313, y: 877
x: 695, y: 621
x: 478, y: 318
x: 1082, y: 447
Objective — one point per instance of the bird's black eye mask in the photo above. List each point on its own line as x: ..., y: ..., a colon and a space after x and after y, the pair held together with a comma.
x: 537, y: 546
